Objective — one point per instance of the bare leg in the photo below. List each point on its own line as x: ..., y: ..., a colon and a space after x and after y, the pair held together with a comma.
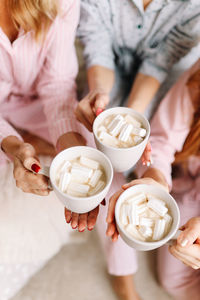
x: 124, y: 287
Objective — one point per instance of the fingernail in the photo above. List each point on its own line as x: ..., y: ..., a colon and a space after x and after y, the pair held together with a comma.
x: 81, y: 230
x: 99, y: 111
x: 74, y: 227
x: 184, y: 242
x: 35, y: 168
x: 90, y: 229
x: 124, y: 186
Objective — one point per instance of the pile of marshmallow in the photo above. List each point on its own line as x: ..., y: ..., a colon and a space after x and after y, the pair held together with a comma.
x: 145, y: 217
x: 121, y: 131
x: 81, y: 177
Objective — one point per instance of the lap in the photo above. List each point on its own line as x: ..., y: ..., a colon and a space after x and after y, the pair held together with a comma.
x: 32, y: 228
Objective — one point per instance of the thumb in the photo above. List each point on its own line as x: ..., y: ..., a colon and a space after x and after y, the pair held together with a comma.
x: 26, y: 154
x: 101, y: 102
x: 188, y: 236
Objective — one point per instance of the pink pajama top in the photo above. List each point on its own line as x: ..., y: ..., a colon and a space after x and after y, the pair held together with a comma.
x: 169, y: 129
x: 37, y: 81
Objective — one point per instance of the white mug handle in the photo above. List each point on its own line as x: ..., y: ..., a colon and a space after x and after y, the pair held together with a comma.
x: 174, y: 237
x: 45, y: 171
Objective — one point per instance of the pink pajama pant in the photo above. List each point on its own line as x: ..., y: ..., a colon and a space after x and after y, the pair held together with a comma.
x: 182, y: 282
x: 121, y: 259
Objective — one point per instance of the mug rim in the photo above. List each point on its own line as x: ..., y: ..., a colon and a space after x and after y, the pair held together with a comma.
x: 82, y: 198
x: 142, y: 243
x: 128, y: 148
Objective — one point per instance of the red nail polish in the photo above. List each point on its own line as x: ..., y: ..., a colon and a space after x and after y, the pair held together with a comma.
x: 35, y: 168
x: 90, y: 229
x: 81, y: 230
x: 74, y: 227
x: 99, y: 111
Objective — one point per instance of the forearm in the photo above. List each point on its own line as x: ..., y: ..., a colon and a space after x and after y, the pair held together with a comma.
x: 157, y: 175
x: 69, y: 139
x: 100, y: 78
x: 143, y: 90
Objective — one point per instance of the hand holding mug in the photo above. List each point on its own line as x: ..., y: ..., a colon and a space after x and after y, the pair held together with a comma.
x: 90, y: 107
x: 112, y: 228
x: 187, y: 246
x: 26, y: 166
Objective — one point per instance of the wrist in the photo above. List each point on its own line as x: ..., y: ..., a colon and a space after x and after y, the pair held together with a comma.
x: 11, y: 144
x: 157, y: 176
x: 99, y: 90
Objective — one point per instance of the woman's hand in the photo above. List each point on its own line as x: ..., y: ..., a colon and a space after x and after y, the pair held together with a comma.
x: 26, y: 165
x: 112, y: 228
x: 90, y: 107
x: 83, y: 221
x: 187, y: 247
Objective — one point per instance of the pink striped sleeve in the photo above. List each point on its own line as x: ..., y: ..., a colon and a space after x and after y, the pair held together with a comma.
x: 170, y: 127
x: 56, y: 85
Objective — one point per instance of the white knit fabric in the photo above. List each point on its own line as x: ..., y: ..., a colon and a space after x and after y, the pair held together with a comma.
x: 32, y: 230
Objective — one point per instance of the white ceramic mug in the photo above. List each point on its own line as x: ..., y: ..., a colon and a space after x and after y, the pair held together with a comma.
x: 161, y: 194
x: 122, y: 159
x: 76, y: 204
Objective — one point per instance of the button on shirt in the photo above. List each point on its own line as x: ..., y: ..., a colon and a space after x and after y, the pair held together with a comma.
x: 121, y: 32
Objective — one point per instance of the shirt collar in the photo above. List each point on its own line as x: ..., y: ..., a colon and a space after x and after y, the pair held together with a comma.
x: 155, y: 5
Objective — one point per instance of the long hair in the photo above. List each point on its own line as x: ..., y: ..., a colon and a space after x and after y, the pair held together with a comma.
x: 33, y: 15
x: 192, y: 142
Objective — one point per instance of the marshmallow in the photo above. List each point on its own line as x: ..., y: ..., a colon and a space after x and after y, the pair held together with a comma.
x: 151, y: 197
x: 139, y: 131
x: 124, y: 214
x: 137, y: 199
x: 142, y: 208
x: 132, y: 230
x: 102, y: 128
x: 84, y: 177
x: 100, y: 185
x: 129, y: 119
x: 159, y: 229
x: 78, y: 190
x: 95, y: 178
x: 108, y: 139
x: 145, y: 216
x: 168, y: 220
x: 64, y: 181
x: 115, y: 125
x: 121, y: 131
x: 146, y: 222
x: 90, y: 163
x: 137, y: 139
x: 133, y: 216
x: 152, y: 214
x: 125, y: 132
x: 157, y: 206
x: 145, y: 231
x: 81, y: 174
x: 66, y: 166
